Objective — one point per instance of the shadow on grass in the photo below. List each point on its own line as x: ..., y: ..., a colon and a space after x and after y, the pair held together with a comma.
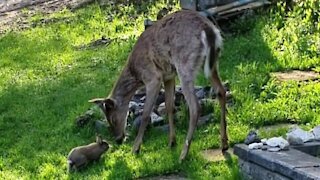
x: 37, y: 115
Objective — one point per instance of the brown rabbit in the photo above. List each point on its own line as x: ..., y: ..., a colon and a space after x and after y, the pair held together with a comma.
x: 82, y: 155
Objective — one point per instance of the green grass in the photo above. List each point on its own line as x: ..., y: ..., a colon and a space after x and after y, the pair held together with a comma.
x: 45, y: 83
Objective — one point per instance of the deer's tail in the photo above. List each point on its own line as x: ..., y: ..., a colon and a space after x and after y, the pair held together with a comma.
x: 212, y: 41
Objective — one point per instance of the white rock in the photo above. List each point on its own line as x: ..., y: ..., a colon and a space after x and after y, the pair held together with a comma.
x: 155, y: 118
x: 264, y: 141
x: 162, y: 109
x: 299, y: 133
x: 274, y: 149
x: 278, y: 142
x: 255, y: 145
x: 316, y: 133
x: 132, y: 103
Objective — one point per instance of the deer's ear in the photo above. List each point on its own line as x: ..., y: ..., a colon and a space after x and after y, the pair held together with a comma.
x: 97, y: 101
x: 104, y: 104
x: 98, y: 139
x: 110, y: 103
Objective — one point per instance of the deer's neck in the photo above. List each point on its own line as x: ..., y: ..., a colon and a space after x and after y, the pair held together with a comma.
x: 125, y: 87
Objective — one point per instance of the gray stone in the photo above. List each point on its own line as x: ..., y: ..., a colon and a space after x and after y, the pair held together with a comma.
x: 204, y: 120
x: 286, y: 163
x: 162, y: 109
x: 156, y: 119
x: 203, y: 92
x: 264, y: 148
x: 255, y: 145
x: 294, y: 140
x: 316, y: 133
x: 251, y: 138
x: 312, y: 148
x: 297, y: 132
x: 274, y: 149
x: 278, y: 142
x: 133, y: 105
x: 252, y: 171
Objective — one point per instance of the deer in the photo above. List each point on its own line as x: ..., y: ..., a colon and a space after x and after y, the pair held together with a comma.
x: 179, y: 44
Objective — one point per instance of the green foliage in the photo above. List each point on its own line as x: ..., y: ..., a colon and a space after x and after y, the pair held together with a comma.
x: 46, y: 81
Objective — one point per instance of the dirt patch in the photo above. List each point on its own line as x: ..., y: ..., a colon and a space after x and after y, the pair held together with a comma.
x: 15, y: 14
x: 215, y: 155
x: 296, y: 75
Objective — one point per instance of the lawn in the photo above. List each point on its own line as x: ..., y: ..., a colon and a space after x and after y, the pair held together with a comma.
x: 46, y: 82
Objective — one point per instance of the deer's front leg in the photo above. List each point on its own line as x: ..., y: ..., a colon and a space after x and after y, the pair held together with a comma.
x: 169, y: 100
x: 152, y: 90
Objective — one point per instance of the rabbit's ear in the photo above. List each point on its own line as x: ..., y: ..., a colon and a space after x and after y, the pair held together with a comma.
x: 98, y: 139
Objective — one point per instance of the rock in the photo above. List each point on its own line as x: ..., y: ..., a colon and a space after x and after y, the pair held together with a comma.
x: 294, y: 140
x: 162, y: 109
x: 274, y: 149
x: 156, y: 119
x: 264, y: 148
x: 143, y: 99
x: 264, y: 141
x: 139, y: 109
x: 203, y: 92
x: 278, y: 142
x: 255, y: 145
x: 251, y: 138
x: 133, y: 106
x: 297, y: 132
x: 204, y: 119
x: 316, y: 133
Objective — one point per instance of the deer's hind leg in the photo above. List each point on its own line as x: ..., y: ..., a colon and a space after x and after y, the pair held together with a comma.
x: 187, y: 71
x: 221, y: 93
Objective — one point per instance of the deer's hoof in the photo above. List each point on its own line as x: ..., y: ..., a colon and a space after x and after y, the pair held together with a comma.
x: 172, y: 144
x: 183, y: 155
x: 225, y: 147
x: 136, y: 151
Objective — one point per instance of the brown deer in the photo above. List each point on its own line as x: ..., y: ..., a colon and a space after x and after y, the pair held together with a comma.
x: 178, y: 44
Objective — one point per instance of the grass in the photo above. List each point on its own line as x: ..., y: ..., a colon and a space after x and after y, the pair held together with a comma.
x: 45, y: 83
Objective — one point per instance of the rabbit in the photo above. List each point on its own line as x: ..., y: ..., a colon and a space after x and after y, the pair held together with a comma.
x: 82, y: 155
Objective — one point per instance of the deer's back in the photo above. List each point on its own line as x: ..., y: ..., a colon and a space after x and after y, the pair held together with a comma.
x: 170, y: 42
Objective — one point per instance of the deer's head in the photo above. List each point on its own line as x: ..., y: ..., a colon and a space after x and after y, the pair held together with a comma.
x: 115, y: 115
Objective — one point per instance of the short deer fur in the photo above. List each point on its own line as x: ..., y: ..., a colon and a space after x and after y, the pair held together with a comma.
x: 179, y: 44
x: 82, y: 155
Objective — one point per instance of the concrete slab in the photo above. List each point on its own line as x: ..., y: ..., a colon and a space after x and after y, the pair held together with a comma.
x: 288, y: 163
